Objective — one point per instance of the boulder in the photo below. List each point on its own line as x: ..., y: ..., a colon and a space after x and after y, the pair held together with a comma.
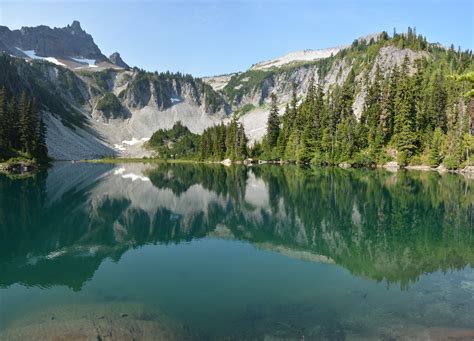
x: 345, y: 165
x: 391, y: 166
x: 226, y: 162
x: 468, y: 169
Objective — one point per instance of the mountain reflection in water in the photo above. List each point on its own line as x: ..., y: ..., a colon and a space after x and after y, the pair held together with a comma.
x: 380, y: 226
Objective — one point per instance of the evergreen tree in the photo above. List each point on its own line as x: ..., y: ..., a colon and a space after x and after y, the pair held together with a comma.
x: 26, y: 126
x: 4, y: 138
x: 273, y: 123
x: 370, y: 117
x: 405, y: 117
x: 242, y: 146
x: 285, y: 130
x: 12, y: 124
x: 220, y: 141
x: 436, y: 147
x: 41, y: 150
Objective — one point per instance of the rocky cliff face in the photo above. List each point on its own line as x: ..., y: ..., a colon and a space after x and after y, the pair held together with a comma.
x: 69, y: 41
x: 328, y: 72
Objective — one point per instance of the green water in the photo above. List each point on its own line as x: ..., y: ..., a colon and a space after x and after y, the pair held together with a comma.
x: 266, y: 251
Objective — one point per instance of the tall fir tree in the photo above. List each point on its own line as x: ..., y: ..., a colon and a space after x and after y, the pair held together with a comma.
x: 405, y: 128
x: 273, y: 123
x: 41, y: 149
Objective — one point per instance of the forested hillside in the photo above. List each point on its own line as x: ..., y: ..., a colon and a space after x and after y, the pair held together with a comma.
x: 419, y: 118
x: 413, y: 113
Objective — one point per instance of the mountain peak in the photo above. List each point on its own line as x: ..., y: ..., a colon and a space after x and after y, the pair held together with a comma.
x: 116, y: 59
x: 76, y: 25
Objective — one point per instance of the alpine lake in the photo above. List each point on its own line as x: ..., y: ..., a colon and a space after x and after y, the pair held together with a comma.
x: 207, y: 252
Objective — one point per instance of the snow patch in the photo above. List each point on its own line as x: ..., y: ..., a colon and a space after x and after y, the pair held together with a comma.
x: 119, y: 147
x: 134, y: 141
x: 297, y: 56
x: 175, y: 100
x: 54, y: 61
x: 122, y: 146
x: 32, y: 55
x: 89, y: 62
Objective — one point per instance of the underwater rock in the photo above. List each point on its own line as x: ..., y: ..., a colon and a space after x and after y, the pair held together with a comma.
x: 123, y: 321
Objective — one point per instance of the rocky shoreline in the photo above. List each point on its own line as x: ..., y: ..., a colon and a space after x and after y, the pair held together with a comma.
x: 393, y: 166
x: 389, y: 166
x: 19, y: 168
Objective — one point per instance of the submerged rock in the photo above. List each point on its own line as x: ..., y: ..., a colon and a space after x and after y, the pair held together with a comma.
x: 447, y: 333
x: 97, y: 322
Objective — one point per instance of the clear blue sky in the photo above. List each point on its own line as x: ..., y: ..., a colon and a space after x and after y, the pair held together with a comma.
x: 205, y: 37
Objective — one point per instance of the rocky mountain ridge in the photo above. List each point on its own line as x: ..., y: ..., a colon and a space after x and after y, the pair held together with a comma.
x: 68, y: 46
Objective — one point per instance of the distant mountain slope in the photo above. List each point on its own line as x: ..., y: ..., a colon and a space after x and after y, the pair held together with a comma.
x: 296, y: 57
x: 101, y: 113
x: 249, y: 92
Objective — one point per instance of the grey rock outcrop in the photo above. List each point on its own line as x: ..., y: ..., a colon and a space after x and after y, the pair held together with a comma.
x: 116, y: 59
x: 66, y: 42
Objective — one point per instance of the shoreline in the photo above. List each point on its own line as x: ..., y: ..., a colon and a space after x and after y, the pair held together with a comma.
x: 19, y: 168
x: 390, y: 166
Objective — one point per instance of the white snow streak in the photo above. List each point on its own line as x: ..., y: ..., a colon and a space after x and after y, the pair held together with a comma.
x: 89, y: 62
x: 32, y: 55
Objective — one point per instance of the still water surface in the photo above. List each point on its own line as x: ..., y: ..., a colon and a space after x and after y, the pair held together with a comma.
x: 213, y: 252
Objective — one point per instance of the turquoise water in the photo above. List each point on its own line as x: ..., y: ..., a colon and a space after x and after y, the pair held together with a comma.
x: 242, y: 253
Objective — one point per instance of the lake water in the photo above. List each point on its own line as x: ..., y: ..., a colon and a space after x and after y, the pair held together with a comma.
x: 214, y: 252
